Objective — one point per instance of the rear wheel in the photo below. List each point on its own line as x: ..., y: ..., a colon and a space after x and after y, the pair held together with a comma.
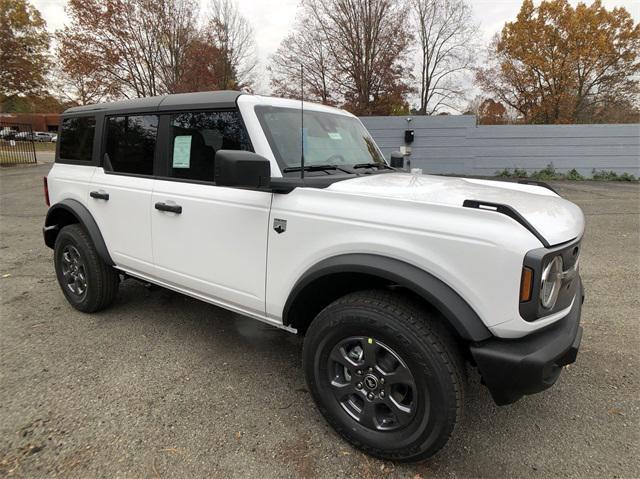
x: 386, y: 375
x: 88, y: 283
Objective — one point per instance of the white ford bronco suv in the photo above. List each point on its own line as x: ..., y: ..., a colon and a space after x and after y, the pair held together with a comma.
x: 396, y: 280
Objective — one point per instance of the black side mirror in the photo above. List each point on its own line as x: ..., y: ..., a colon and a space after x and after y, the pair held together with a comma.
x: 241, y: 168
x: 397, y: 159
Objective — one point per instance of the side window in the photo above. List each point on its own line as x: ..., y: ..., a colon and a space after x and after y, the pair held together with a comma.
x: 76, y: 138
x: 196, y: 136
x: 131, y: 142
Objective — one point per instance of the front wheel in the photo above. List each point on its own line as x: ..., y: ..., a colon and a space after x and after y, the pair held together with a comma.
x: 385, y: 374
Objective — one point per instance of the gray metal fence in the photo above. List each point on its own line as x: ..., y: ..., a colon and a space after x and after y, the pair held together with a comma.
x: 17, y: 145
x: 455, y: 145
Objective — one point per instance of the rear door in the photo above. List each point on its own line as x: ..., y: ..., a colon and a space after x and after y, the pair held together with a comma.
x: 120, y: 193
x: 207, y: 239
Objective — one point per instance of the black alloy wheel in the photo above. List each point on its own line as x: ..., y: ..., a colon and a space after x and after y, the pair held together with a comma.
x: 73, y: 271
x: 372, y: 383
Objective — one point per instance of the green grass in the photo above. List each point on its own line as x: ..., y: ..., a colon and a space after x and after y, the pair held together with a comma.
x: 48, y: 146
x: 39, y: 146
x: 546, y: 174
x: 574, y: 175
x: 603, y: 175
x: 549, y: 173
x: 516, y: 173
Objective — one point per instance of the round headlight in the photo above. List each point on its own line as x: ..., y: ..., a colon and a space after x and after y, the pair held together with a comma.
x: 551, y: 282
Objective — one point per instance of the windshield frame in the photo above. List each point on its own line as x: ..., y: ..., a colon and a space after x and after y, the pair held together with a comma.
x: 282, y: 164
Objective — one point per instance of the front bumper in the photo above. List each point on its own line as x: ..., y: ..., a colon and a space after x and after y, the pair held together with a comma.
x: 511, y: 368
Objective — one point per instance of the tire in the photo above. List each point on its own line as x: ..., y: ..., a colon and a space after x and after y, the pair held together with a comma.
x: 384, y: 411
x: 77, y: 262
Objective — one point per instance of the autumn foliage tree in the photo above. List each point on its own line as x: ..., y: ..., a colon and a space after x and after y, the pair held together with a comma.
x: 24, y: 45
x: 138, y: 48
x: 199, y: 75
x: 560, y: 64
x: 354, y: 53
x: 492, y: 112
x: 120, y: 44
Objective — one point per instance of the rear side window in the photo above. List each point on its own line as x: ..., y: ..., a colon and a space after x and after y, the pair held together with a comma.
x: 76, y: 138
x: 131, y: 143
x: 195, y: 137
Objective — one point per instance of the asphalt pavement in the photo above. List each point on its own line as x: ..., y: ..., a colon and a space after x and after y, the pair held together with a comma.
x: 161, y: 385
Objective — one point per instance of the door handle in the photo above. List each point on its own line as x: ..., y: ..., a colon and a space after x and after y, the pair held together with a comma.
x: 99, y: 195
x: 171, y: 208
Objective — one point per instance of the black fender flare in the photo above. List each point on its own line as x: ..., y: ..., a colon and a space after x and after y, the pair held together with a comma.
x: 447, y: 301
x: 52, y: 226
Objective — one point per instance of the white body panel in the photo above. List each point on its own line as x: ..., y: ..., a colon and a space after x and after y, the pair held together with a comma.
x: 217, y: 246
x: 557, y: 219
x: 478, y: 254
x: 124, y: 220
x: 69, y: 182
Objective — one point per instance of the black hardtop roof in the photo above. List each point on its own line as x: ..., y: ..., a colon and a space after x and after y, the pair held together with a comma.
x: 178, y: 101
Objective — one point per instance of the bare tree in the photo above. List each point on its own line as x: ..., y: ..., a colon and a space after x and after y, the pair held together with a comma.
x: 446, y: 37
x: 233, y: 36
x: 367, y: 41
x: 304, y: 47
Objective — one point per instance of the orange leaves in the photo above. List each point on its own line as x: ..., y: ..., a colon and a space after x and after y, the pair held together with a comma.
x: 492, y: 112
x: 559, y: 64
x: 24, y: 44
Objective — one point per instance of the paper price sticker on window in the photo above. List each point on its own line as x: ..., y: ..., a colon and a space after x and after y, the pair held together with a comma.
x: 181, y: 151
x: 335, y: 136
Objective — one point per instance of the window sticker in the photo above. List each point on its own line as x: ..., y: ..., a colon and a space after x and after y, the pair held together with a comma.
x: 335, y: 135
x: 182, y: 151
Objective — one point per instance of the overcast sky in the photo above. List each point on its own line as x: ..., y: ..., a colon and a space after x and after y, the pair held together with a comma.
x: 271, y: 19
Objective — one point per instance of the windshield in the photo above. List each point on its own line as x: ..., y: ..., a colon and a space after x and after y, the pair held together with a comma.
x: 329, y: 138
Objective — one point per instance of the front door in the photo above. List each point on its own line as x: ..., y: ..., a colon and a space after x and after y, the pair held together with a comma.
x: 209, y: 240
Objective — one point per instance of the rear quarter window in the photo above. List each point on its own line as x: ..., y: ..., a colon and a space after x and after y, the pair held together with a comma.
x: 76, y: 138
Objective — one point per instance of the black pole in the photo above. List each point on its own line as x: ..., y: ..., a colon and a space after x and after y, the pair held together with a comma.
x: 301, y: 121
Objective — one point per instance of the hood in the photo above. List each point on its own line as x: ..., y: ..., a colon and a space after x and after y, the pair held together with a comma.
x: 555, y: 218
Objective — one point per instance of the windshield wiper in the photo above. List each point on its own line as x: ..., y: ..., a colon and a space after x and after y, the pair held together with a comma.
x: 314, y: 168
x: 380, y: 166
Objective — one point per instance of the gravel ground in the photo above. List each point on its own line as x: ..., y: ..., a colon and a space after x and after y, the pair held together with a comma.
x: 161, y: 385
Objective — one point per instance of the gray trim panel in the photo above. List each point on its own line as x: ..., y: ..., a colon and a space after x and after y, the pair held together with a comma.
x: 450, y: 304
x: 85, y: 218
x: 180, y: 101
